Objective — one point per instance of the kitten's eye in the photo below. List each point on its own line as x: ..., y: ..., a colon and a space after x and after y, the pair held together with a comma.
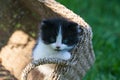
x: 52, y: 39
x: 65, y: 41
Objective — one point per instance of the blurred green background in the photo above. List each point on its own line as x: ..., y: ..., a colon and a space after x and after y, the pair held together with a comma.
x: 104, y: 18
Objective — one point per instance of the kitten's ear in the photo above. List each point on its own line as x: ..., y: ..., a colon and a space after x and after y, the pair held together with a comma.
x: 75, y: 25
x: 45, y: 22
x: 80, y: 30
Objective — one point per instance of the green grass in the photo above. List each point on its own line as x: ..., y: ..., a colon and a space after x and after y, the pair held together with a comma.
x: 104, y: 18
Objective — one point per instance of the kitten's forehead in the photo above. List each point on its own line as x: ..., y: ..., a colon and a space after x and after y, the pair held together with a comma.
x: 56, y: 23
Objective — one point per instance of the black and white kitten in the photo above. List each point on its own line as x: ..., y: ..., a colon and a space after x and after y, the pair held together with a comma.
x: 57, y: 38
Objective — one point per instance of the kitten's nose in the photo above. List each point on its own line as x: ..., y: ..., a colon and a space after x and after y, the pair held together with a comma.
x: 58, y: 47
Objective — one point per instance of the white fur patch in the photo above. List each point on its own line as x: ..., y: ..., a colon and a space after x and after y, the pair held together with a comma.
x: 46, y: 51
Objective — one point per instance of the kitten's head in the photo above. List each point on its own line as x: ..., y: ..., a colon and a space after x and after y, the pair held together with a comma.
x: 59, y: 34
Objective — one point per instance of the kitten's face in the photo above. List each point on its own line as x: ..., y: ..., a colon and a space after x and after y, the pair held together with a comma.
x: 59, y: 34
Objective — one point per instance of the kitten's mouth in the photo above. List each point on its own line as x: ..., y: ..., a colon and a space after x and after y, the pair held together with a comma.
x: 58, y: 50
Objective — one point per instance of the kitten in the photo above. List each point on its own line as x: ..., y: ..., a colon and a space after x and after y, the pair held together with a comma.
x: 57, y: 38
